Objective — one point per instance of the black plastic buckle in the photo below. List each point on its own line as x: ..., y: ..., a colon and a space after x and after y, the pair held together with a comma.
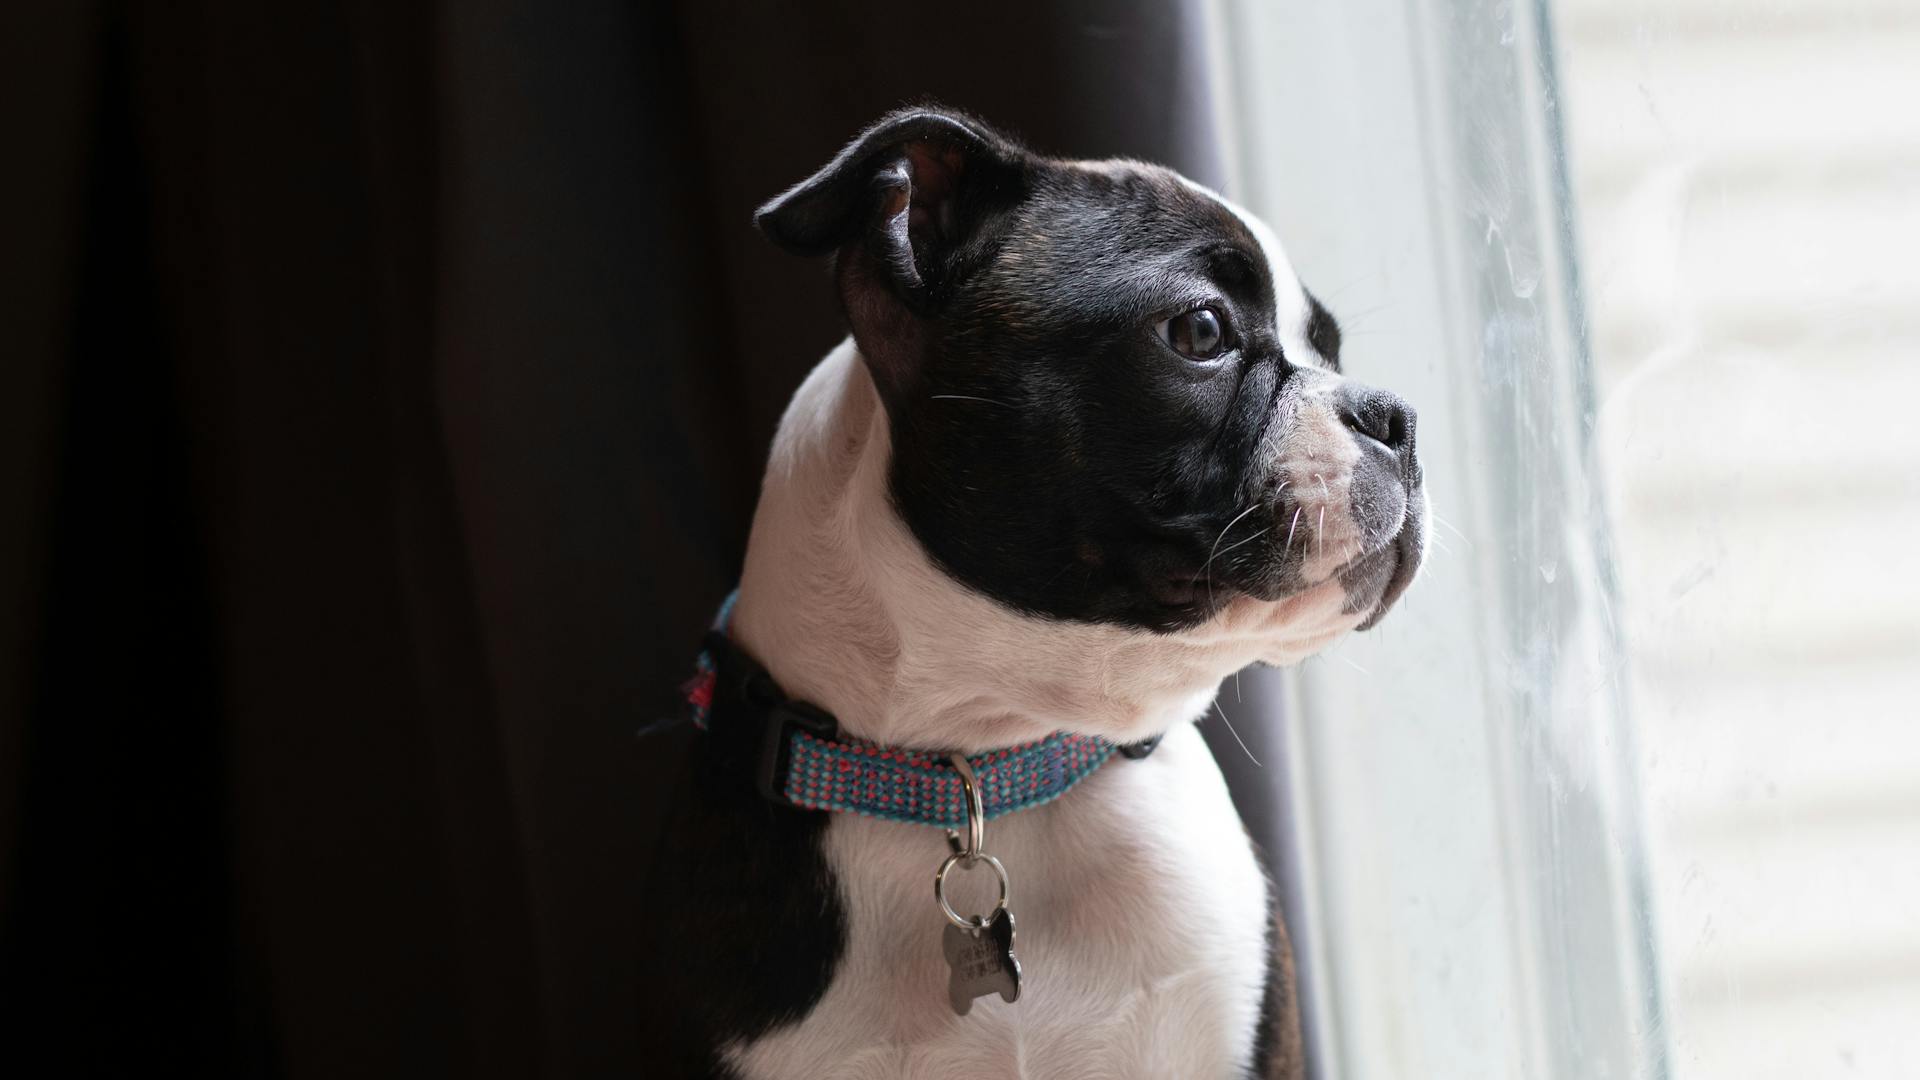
x: 776, y: 746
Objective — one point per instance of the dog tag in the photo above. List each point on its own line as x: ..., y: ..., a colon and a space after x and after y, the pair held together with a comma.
x: 981, y: 962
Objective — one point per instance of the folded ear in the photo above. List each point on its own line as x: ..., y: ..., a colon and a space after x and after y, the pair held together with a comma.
x: 911, y: 186
x: 905, y: 208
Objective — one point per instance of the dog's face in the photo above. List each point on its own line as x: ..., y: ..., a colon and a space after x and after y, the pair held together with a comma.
x: 1109, y: 397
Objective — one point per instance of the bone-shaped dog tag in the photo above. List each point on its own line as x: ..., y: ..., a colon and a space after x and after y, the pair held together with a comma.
x: 981, y: 962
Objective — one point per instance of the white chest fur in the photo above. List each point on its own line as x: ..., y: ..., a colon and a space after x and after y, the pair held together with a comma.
x: 1142, y: 931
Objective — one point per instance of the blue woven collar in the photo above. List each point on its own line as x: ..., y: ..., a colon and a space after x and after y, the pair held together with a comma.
x: 804, y: 761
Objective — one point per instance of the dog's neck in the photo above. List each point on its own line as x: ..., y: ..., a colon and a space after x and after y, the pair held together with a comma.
x: 847, y: 612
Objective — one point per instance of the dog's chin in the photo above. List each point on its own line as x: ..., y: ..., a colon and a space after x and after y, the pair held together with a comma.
x: 1288, y: 630
x: 1374, y: 582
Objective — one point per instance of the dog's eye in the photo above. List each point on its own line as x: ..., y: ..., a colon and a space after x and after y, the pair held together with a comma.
x: 1200, y: 334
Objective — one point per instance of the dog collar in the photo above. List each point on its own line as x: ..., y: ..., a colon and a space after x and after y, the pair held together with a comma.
x: 804, y: 761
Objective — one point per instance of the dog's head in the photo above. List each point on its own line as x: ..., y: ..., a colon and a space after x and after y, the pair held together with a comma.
x: 1110, y: 400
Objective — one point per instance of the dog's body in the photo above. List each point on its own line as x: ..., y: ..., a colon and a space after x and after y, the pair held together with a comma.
x: 906, y: 574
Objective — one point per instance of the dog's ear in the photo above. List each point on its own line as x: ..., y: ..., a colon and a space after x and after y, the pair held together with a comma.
x: 906, y: 209
x: 912, y: 188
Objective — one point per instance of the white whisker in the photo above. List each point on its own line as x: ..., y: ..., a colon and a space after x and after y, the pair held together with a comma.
x: 1235, y: 734
x: 1207, y: 567
x: 1295, y: 525
x: 968, y: 397
x: 1242, y: 543
x: 1352, y: 316
x: 1449, y: 524
x: 1340, y: 290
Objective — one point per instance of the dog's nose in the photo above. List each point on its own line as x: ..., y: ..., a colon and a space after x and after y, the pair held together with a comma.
x: 1379, y: 416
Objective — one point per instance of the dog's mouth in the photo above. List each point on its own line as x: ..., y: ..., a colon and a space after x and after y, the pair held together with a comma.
x: 1369, y: 538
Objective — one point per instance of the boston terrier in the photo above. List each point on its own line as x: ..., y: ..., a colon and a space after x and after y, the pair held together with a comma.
x: 1086, y: 452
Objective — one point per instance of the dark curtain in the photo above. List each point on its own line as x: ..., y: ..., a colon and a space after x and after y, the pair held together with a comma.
x: 385, y: 393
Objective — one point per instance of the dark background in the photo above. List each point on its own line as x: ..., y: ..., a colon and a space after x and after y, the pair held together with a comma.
x: 386, y: 388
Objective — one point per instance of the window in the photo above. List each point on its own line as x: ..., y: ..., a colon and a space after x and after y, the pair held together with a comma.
x: 1627, y: 785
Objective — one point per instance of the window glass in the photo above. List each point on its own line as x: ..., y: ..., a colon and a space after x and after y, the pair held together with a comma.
x: 1630, y: 784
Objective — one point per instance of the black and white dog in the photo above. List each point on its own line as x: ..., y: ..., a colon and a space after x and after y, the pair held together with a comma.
x: 1087, y: 452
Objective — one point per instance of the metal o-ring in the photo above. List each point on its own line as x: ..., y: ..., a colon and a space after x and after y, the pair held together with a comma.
x: 969, y: 922
x: 976, y: 809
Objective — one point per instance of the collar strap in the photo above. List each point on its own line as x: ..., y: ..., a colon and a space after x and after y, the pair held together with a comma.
x: 803, y: 761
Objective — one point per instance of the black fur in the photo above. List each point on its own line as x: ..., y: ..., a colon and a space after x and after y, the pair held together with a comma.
x: 745, y: 919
